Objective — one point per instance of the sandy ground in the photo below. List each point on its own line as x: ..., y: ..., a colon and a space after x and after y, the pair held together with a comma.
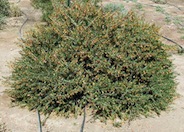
x: 21, y: 120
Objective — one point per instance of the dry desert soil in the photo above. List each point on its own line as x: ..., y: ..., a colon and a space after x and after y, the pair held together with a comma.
x: 169, y: 16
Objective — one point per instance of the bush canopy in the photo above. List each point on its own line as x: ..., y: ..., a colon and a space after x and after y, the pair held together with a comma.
x: 113, y: 64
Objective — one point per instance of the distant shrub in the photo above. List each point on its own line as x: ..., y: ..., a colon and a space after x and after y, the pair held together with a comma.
x: 2, y: 20
x: 114, y: 64
x: 15, y: 11
x: 115, y: 8
x: 4, y: 7
x: 4, y: 11
x: 45, y: 6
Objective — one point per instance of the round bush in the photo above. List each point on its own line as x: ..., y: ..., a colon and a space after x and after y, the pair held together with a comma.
x: 113, y: 64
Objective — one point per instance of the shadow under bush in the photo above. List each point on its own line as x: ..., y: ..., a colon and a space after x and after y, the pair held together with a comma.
x: 114, y: 64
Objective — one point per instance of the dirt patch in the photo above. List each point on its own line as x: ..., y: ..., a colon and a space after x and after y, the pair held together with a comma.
x: 21, y: 120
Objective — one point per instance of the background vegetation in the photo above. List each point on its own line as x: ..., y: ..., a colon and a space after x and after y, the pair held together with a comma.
x: 4, y: 11
x: 113, y: 64
x: 45, y: 6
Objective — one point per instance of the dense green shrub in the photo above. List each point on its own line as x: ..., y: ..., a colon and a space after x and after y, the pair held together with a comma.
x: 114, y: 64
x: 4, y: 11
x: 4, y: 7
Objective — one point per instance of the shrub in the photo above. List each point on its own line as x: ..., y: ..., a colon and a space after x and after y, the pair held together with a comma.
x: 15, y: 11
x: 4, y: 11
x: 45, y: 6
x: 115, y: 8
x: 2, y: 20
x: 114, y: 64
x: 4, y: 7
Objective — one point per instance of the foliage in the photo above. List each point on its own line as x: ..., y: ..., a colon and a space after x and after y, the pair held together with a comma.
x: 114, y: 8
x: 168, y: 19
x: 15, y: 11
x: 4, y: 7
x: 2, y: 20
x: 160, y: 9
x: 45, y: 6
x: 139, y: 6
x: 117, y: 124
x: 182, y: 37
x: 110, y: 63
x: 4, y: 11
